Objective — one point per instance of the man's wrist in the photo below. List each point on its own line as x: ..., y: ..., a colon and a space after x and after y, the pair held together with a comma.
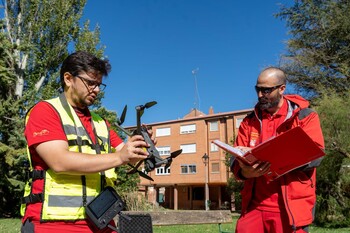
x: 240, y: 175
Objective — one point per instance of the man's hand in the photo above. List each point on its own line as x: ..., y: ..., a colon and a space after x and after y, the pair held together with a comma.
x: 153, y: 137
x: 255, y: 170
x: 133, y: 151
x: 150, y: 133
x: 243, y: 148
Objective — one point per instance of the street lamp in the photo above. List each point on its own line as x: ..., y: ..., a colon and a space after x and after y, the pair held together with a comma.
x: 205, y: 159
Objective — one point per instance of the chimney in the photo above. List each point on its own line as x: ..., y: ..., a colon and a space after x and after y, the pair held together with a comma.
x: 211, y: 110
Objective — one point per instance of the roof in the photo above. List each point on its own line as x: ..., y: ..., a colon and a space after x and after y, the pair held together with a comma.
x: 195, y: 114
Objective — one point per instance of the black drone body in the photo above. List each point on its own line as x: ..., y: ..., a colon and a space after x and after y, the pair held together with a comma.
x: 153, y: 160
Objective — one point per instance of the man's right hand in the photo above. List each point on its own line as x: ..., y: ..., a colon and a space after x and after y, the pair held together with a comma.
x: 133, y: 150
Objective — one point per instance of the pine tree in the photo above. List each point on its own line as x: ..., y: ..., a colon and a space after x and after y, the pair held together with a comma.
x: 319, y: 46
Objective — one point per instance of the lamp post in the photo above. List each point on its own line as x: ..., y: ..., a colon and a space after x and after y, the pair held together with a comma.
x: 205, y: 159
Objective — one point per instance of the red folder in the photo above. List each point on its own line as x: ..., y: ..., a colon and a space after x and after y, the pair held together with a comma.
x: 285, y: 152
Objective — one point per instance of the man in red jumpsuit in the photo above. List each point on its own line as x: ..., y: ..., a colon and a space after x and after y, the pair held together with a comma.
x: 286, y: 204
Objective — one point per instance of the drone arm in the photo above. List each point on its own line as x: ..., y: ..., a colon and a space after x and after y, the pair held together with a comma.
x: 138, y: 119
x: 152, y: 150
x: 123, y: 130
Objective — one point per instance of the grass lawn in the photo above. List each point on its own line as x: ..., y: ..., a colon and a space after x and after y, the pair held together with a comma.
x: 213, y: 228
x: 11, y: 225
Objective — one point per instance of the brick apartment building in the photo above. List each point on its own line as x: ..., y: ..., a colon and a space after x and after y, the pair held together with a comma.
x: 189, y: 181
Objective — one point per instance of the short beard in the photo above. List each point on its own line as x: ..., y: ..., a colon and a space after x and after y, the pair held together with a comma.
x: 265, y: 106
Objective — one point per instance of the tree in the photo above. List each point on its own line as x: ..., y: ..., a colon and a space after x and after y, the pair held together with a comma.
x: 12, y: 143
x: 318, y: 64
x: 333, y: 188
x: 319, y: 48
x: 35, y: 37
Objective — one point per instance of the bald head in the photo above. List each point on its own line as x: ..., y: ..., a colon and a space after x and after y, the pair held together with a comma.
x: 272, y: 76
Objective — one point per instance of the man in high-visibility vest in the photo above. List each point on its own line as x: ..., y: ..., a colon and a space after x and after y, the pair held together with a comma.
x: 72, y: 151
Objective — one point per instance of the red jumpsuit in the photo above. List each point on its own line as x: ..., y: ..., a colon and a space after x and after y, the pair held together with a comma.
x: 288, y: 201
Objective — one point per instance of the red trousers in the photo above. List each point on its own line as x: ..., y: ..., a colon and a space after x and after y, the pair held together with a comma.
x: 257, y: 221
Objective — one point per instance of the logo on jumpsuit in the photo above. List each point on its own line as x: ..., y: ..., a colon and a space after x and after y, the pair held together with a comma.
x: 41, y: 133
x: 253, y: 138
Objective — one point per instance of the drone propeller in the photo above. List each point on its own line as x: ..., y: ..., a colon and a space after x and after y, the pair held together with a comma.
x: 141, y: 108
x: 120, y: 121
x: 122, y: 117
x: 172, y: 156
x: 150, y: 104
x: 139, y: 112
x: 135, y: 169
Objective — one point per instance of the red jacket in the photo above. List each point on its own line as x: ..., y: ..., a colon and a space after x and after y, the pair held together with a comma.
x: 298, y: 186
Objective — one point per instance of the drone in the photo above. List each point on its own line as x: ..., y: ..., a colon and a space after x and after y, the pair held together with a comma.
x: 153, y: 160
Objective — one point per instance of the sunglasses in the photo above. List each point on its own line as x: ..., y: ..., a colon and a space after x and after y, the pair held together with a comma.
x: 266, y: 90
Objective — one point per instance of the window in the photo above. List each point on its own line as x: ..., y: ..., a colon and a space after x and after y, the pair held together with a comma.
x: 188, y: 169
x: 185, y: 129
x: 192, y: 168
x: 215, y: 167
x: 161, y: 171
x: 164, y: 150
x: 188, y: 148
x: 213, y: 126
x: 213, y: 147
x: 238, y: 122
x: 162, y: 132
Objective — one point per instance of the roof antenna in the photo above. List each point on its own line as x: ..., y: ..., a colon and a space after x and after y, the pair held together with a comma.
x: 196, y: 93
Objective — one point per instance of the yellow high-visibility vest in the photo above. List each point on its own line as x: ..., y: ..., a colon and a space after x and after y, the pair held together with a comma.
x: 65, y: 196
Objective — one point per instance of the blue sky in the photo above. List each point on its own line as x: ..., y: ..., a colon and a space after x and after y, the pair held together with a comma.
x: 154, y: 45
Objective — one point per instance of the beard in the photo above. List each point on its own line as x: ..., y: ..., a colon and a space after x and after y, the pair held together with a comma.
x: 268, y: 103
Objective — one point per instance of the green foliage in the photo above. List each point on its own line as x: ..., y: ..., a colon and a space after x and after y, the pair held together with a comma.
x: 333, y: 200
x: 35, y: 37
x: 333, y: 203
x: 318, y: 64
x: 234, y: 186
x: 334, y: 112
x: 7, y: 77
x: 127, y: 188
x: 11, y: 182
x: 319, y: 48
x: 111, y: 117
x: 12, y: 154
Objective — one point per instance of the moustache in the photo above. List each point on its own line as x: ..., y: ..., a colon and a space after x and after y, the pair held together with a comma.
x: 262, y: 99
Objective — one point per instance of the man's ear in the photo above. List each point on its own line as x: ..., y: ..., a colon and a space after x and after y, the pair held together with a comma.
x: 282, y: 89
x: 68, y: 79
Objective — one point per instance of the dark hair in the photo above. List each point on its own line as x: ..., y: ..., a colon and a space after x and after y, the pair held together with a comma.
x: 83, y: 61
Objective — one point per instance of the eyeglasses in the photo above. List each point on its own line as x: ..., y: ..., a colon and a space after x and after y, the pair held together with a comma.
x: 91, y: 85
x: 266, y: 90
